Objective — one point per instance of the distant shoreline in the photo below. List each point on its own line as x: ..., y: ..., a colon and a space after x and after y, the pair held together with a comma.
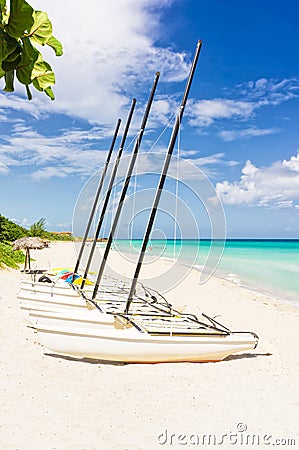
x: 264, y: 265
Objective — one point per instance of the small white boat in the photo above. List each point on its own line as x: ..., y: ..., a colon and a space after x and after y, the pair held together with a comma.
x: 30, y: 305
x: 137, y: 339
x: 60, y: 295
x: 59, y: 286
x: 30, y: 301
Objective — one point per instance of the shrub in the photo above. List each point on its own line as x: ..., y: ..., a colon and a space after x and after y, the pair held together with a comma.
x: 10, y: 258
x: 10, y: 231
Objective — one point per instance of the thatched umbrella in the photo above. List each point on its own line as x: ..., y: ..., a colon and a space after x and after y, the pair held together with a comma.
x: 27, y: 243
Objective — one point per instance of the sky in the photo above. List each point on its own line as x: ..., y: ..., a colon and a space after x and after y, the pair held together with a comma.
x: 240, y: 127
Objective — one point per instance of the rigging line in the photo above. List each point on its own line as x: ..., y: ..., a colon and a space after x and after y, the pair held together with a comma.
x: 162, y: 132
x: 115, y: 188
x: 172, y: 118
x: 112, y: 206
x: 133, y: 140
x: 105, y: 218
x: 134, y: 190
x: 117, y: 194
x: 134, y: 200
x: 176, y: 191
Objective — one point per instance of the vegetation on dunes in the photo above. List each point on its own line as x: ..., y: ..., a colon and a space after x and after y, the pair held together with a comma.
x: 9, y: 258
x: 10, y: 231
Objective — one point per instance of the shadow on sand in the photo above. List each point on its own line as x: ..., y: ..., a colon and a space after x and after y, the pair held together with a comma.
x: 119, y: 363
x: 87, y: 360
x: 245, y: 356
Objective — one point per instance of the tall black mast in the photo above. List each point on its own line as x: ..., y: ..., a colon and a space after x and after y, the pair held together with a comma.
x: 96, y: 199
x: 162, y: 178
x: 109, y: 190
x: 126, y: 185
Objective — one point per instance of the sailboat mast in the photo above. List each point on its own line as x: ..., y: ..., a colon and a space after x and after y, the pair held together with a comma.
x: 96, y: 199
x: 163, y: 177
x: 109, y: 190
x: 126, y: 185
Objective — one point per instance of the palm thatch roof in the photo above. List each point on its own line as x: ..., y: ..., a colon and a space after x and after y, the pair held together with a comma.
x: 29, y: 243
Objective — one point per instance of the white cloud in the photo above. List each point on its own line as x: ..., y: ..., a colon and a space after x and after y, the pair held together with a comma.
x: 216, y: 158
x: 54, y: 171
x: 65, y: 225
x: 22, y: 222
x: 269, y: 91
x: 4, y: 170
x: 110, y: 54
x: 231, y: 135
x: 204, y: 112
x: 70, y: 152
x: 274, y: 186
x: 5, y: 163
x: 36, y: 108
x: 182, y: 166
x: 249, y: 97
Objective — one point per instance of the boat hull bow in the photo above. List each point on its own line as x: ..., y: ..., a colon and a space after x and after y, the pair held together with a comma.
x: 103, y: 341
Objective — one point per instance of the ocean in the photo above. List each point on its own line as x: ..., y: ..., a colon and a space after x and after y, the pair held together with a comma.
x: 269, y: 266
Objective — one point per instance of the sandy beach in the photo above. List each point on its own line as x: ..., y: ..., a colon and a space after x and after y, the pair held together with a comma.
x: 52, y: 402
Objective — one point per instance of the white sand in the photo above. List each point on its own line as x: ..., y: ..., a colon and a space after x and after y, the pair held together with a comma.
x: 50, y: 402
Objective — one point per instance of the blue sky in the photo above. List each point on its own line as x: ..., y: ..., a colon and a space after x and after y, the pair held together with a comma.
x: 240, y: 126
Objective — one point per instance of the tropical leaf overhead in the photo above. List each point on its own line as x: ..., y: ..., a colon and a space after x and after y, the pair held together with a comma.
x: 20, y: 30
x: 20, y: 18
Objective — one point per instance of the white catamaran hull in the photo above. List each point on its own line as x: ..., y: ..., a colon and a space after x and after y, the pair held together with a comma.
x: 39, y: 299
x: 29, y: 306
x: 63, y: 297
x: 99, y: 338
x: 59, y: 287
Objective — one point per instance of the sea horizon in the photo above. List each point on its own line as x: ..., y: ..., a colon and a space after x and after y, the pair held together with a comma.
x: 269, y: 266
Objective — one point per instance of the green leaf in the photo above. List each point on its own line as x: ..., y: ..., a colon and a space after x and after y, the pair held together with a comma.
x: 56, y: 45
x: 33, y: 69
x: 20, y: 19
x: 44, y: 79
x: 11, y: 65
x: 12, y: 60
x: 13, y: 55
x: 41, y: 29
x: 29, y: 56
x: 7, y: 44
x: 41, y: 32
x: 40, y: 66
x: 9, y: 79
x: 38, y: 228
x: 50, y: 93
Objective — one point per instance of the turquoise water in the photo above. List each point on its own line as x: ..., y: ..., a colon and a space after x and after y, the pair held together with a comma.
x: 271, y: 266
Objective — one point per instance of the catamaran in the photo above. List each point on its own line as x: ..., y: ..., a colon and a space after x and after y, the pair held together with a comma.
x: 136, y: 324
